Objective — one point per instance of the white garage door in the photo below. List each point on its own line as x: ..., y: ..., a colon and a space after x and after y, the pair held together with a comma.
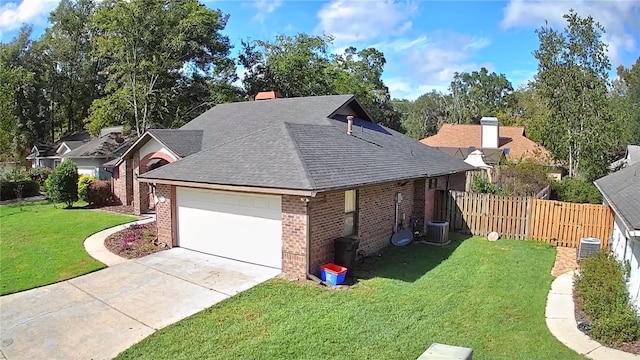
x: 245, y: 227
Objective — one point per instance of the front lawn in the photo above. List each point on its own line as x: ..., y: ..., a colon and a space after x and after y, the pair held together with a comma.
x: 40, y: 244
x: 487, y: 296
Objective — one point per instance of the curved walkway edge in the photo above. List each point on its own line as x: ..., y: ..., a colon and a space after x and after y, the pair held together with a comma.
x: 94, y: 244
x: 561, y: 321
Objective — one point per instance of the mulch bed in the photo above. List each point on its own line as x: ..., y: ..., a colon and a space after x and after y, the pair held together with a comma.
x: 135, y: 241
x: 632, y: 347
x: 120, y: 209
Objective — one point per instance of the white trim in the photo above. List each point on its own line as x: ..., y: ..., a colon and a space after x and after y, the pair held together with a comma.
x: 247, y: 189
x: 61, y: 145
x: 176, y: 156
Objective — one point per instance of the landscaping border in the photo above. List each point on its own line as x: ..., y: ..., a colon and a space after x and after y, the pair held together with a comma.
x: 561, y: 321
x: 94, y: 244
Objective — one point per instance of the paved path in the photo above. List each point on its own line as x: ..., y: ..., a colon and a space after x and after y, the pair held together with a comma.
x: 561, y: 322
x: 98, y: 315
x: 94, y: 244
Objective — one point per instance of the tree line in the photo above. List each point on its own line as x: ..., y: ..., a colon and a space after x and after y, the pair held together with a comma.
x: 149, y: 63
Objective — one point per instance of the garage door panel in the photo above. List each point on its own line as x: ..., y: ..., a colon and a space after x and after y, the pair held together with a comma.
x: 245, y: 227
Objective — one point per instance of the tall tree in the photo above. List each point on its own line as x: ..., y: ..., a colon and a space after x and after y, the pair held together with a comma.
x: 302, y: 66
x: 154, y: 52
x: 478, y: 94
x: 626, y: 99
x: 572, y: 80
x: 425, y: 115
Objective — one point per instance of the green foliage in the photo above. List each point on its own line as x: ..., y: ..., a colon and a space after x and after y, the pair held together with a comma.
x: 425, y: 115
x: 525, y: 178
x: 576, y: 190
x: 478, y: 94
x: 83, y: 183
x: 15, y: 175
x: 40, y: 174
x: 62, y: 185
x: 146, y: 44
x: 572, y: 80
x: 483, y: 185
x: 601, y: 285
x: 18, y: 189
x: 303, y: 66
x: 99, y: 193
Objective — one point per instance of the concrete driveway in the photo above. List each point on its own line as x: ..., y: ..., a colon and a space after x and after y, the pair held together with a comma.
x: 98, y: 315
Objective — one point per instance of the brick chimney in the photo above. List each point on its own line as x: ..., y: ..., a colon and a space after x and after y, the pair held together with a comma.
x: 490, y: 132
x: 268, y: 95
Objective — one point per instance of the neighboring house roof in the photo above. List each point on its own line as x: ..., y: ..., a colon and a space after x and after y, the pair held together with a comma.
x: 105, y: 147
x: 465, y: 136
x: 301, y: 143
x: 621, y: 189
x: 491, y: 156
x: 72, y: 140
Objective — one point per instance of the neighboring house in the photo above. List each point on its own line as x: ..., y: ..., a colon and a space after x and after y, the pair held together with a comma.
x: 631, y: 156
x: 43, y: 155
x: 275, y: 181
x: 621, y: 191
x: 92, y: 158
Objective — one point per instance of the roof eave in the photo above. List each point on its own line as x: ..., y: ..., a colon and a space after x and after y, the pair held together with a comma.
x: 626, y: 223
x: 225, y: 187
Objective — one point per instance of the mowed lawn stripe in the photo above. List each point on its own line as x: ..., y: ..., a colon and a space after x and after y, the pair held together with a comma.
x: 487, y: 296
x: 41, y: 244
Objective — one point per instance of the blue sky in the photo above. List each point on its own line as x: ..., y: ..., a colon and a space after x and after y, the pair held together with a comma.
x: 424, y: 42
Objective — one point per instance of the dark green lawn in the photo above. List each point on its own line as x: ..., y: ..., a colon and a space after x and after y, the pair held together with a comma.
x: 487, y: 296
x: 40, y: 244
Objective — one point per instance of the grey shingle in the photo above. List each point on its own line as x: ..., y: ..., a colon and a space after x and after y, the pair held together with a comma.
x: 293, y: 144
x: 107, y: 146
x: 622, y: 188
x: 182, y: 142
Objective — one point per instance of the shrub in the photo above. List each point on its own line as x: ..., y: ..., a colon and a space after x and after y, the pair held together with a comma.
x: 16, y: 189
x: 526, y: 178
x: 83, y: 183
x: 577, y: 191
x: 40, y: 174
x: 62, y: 185
x: 605, y: 299
x: 99, y: 193
x: 482, y: 185
x: 15, y: 175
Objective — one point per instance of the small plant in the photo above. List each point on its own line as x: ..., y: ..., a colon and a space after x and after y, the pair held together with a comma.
x: 482, y: 185
x: 40, y: 174
x: 83, y: 184
x: 576, y: 190
x: 128, y: 239
x: 99, y: 193
x: 605, y: 299
x: 62, y: 185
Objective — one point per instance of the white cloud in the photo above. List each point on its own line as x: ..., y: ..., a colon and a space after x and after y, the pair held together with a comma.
x: 265, y: 7
x: 14, y: 14
x: 354, y: 21
x: 620, y: 19
x: 431, y: 64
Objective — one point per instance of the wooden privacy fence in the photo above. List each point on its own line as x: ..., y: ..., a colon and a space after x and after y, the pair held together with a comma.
x: 520, y: 217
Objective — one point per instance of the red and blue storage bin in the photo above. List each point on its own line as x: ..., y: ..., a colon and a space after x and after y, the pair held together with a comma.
x: 333, y: 274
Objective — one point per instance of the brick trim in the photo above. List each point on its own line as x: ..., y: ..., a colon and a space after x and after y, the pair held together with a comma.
x: 155, y: 155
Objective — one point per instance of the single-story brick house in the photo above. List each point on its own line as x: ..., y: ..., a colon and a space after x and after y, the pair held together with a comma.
x: 621, y: 191
x: 275, y: 181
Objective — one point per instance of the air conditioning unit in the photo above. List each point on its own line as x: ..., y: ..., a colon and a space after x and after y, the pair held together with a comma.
x: 588, y: 247
x: 437, y: 232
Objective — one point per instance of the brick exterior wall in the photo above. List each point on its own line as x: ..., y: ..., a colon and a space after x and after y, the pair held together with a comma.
x: 326, y: 218
x: 140, y: 190
x: 123, y: 182
x: 164, y: 211
x: 376, y: 212
x: 294, y: 237
x: 419, y: 196
x: 456, y: 182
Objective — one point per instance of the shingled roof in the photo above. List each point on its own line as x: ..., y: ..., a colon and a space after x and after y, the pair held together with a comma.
x: 467, y: 135
x: 302, y: 144
x: 621, y: 189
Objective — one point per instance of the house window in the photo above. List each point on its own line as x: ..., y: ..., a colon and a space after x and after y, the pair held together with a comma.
x: 350, y: 212
x: 433, y: 183
x: 56, y: 163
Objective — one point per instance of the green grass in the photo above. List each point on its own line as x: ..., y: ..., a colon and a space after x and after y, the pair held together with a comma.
x: 487, y: 296
x: 40, y: 244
